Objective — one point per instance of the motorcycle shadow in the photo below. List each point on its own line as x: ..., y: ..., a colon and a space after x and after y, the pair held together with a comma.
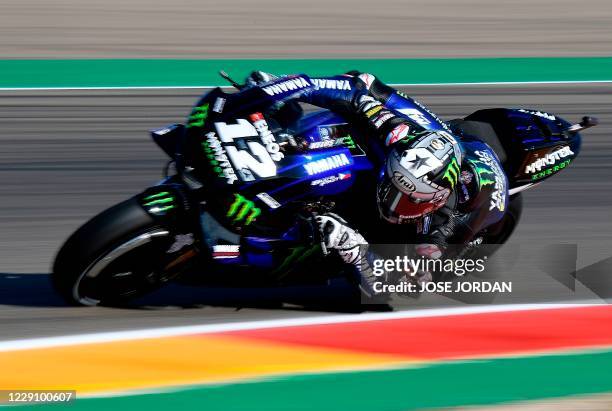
x: 28, y: 290
x: 35, y: 290
x: 337, y: 296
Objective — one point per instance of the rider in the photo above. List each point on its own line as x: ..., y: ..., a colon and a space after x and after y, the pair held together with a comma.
x: 430, y: 178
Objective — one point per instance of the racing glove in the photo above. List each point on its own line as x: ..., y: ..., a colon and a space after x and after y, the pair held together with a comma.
x: 258, y: 77
x: 350, y: 246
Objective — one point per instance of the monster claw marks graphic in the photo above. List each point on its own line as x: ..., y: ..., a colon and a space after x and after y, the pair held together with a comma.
x: 242, y: 208
x: 482, y: 171
x: 487, y: 165
x: 159, y: 203
x: 348, y: 142
x: 452, y: 173
x: 198, y: 116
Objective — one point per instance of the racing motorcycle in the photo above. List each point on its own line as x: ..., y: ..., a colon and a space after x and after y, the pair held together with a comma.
x: 282, y: 166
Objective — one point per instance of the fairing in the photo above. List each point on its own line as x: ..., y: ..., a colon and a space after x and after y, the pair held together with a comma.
x: 537, y: 144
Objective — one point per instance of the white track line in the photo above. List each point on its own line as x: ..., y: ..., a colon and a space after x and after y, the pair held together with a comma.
x: 491, y: 83
x: 79, y: 339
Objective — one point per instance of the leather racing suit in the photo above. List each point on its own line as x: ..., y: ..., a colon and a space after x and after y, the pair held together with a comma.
x: 469, y: 210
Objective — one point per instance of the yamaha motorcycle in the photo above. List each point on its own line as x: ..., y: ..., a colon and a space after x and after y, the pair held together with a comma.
x: 249, y: 169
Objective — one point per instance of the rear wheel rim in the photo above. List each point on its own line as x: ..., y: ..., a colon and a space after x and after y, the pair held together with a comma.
x: 106, y: 270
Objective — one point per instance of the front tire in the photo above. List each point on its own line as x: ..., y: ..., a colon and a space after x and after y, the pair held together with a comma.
x: 116, y: 256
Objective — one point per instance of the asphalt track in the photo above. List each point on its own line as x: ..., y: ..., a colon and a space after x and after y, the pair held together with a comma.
x: 65, y: 155
x: 315, y: 28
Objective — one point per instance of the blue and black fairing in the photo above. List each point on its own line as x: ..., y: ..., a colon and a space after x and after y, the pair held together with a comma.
x: 170, y: 139
x: 327, y: 164
x: 484, y: 186
x: 535, y: 144
x: 324, y: 163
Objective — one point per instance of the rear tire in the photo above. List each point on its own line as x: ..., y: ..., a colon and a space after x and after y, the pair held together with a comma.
x: 112, y: 258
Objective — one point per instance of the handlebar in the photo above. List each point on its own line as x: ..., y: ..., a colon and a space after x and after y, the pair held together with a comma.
x: 226, y: 76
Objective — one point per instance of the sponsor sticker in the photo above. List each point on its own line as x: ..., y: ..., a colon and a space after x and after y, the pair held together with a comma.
x: 549, y: 159
x: 261, y: 125
x: 437, y: 144
x: 322, y: 144
x: 327, y: 164
x: 331, y: 179
x: 498, y: 197
x: 219, y: 104
x: 539, y: 114
x: 380, y: 120
x: 466, y: 177
x: 371, y: 112
x: 243, y: 210
x: 223, y: 251
x: 551, y: 170
x: 331, y: 84
x: 218, y: 158
x: 162, y: 131
x: 290, y: 85
x: 198, y: 116
x: 342, y: 141
x: 403, y: 182
x: 268, y: 200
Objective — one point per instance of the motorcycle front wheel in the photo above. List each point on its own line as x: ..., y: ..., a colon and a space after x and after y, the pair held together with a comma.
x: 118, y: 255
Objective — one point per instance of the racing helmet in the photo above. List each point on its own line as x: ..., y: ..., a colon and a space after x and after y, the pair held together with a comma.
x: 419, y: 176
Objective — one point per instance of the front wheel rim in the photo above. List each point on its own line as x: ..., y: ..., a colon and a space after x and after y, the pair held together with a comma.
x: 94, y: 270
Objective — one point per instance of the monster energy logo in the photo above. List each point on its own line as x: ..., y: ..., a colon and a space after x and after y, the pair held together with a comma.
x: 498, y: 195
x: 298, y: 254
x: 452, y: 173
x: 198, y: 116
x: 550, y: 171
x: 348, y: 142
x: 210, y: 155
x: 242, y: 209
x: 483, y: 169
x: 160, y: 202
x: 217, y: 156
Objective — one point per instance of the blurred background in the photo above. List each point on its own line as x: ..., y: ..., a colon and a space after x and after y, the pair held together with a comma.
x: 291, y: 29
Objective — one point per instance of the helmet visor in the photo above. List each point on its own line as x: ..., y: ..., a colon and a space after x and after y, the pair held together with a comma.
x: 397, y: 206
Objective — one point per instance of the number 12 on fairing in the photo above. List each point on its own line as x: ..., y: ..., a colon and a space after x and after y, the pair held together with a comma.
x: 244, y: 161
